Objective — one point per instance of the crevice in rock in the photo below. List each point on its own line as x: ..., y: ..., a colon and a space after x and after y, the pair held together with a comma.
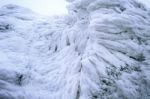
x: 79, y: 88
x: 78, y: 92
x: 5, y: 27
x: 139, y: 58
x: 20, y: 79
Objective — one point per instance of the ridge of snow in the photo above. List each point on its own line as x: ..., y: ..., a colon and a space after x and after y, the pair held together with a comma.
x: 101, y: 50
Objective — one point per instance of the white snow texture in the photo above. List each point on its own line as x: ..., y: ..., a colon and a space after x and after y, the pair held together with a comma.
x: 100, y: 50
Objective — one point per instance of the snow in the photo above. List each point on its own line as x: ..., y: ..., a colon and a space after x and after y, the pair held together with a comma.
x: 100, y: 50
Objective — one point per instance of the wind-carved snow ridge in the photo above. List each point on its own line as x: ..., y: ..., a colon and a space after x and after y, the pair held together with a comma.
x: 101, y: 50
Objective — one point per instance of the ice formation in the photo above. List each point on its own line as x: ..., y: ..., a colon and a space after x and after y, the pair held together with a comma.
x: 100, y: 50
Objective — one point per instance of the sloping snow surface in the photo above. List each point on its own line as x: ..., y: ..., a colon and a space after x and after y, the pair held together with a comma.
x: 100, y: 50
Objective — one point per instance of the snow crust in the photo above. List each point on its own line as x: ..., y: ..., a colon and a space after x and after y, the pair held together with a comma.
x: 101, y: 50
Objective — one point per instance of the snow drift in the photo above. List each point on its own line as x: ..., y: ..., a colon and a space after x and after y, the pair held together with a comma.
x: 100, y: 50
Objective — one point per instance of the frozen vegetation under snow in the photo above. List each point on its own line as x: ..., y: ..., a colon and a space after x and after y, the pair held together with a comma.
x: 100, y: 50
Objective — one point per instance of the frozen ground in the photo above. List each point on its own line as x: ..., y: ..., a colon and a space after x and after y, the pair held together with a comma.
x: 101, y: 50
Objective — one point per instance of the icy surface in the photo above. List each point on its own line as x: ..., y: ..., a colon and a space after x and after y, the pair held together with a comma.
x: 101, y: 50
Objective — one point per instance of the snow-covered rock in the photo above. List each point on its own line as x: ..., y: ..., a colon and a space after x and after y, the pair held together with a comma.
x: 100, y: 50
